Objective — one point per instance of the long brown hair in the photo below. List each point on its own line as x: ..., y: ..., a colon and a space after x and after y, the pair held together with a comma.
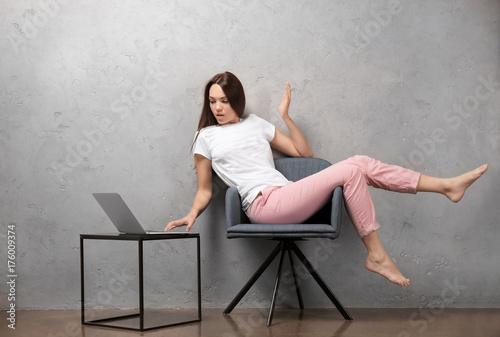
x: 235, y: 94
x: 233, y: 89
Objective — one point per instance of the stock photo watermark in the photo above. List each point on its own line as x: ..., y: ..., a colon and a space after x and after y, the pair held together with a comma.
x: 379, y: 20
x: 421, y: 319
x: 115, y: 286
x: 121, y: 107
x: 322, y: 252
x: 454, y: 117
x: 11, y: 275
x: 34, y: 20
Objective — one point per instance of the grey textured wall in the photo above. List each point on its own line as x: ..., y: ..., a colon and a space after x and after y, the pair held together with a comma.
x: 105, y: 96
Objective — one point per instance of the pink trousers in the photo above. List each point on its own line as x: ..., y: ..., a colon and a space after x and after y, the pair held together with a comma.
x: 296, y: 202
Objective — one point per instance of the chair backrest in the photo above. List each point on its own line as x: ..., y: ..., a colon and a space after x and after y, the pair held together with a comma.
x: 297, y: 168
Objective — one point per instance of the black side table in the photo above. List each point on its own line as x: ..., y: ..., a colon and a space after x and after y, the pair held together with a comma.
x: 137, y: 320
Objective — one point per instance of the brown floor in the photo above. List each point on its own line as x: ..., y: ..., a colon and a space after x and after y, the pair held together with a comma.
x: 286, y: 322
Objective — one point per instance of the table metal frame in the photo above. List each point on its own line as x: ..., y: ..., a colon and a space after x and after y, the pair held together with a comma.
x: 140, y: 238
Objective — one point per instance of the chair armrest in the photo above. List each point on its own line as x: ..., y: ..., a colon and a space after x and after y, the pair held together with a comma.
x: 234, y: 213
x: 336, y: 216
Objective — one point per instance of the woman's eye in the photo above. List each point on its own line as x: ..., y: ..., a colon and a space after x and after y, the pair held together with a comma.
x: 225, y: 102
x: 212, y: 102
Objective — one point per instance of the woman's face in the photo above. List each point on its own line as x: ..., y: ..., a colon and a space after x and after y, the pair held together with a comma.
x: 219, y: 104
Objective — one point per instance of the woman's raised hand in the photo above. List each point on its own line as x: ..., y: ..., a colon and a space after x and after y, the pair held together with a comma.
x: 296, y: 144
x: 285, y: 101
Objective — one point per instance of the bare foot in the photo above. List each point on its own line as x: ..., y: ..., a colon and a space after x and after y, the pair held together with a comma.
x: 455, y: 191
x: 384, y: 266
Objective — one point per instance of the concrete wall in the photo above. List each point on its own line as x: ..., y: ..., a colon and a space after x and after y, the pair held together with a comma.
x: 105, y: 96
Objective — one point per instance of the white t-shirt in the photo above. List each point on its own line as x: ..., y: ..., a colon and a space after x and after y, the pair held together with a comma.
x: 241, y: 155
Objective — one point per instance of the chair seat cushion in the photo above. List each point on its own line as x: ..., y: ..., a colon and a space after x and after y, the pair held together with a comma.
x: 282, y: 231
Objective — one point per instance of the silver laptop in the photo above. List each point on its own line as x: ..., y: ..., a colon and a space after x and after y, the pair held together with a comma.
x: 120, y: 215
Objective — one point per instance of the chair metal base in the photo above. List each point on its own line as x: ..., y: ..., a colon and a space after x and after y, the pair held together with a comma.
x: 283, y: 247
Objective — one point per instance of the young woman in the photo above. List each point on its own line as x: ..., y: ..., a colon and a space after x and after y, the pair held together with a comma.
x: 238, y: 149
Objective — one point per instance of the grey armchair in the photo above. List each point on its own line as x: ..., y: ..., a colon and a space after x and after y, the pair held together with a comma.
x: 324, y: 224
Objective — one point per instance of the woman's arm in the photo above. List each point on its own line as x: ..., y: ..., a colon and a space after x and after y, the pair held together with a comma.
x: 203, y: 196
x: 296, y: 145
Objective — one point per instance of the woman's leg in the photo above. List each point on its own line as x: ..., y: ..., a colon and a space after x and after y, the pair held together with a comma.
x: 454, y: 188
x: 379, y: 262
x: 296, y: 202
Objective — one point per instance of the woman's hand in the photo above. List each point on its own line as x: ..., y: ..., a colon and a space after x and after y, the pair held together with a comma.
x: 285, y: 101
x: 186, y: 221
x: 296, y: 144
